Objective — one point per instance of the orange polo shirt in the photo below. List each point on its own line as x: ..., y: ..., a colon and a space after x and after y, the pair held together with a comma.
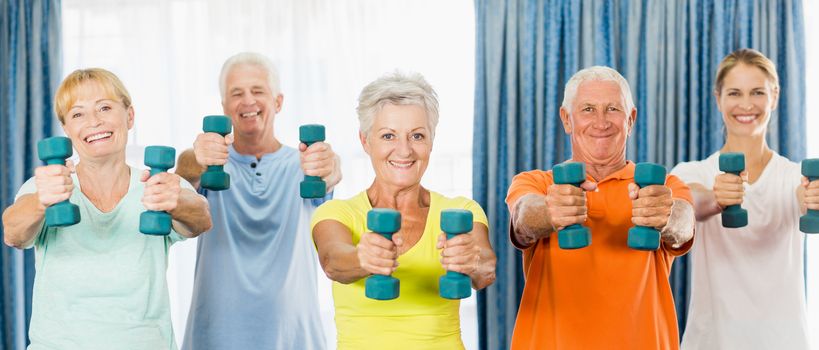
x: 604, y: 296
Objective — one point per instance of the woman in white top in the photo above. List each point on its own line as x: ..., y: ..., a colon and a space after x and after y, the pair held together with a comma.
x: 748, y: 285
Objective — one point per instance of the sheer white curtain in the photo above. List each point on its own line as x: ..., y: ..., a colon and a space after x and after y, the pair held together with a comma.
x: 168, y: 53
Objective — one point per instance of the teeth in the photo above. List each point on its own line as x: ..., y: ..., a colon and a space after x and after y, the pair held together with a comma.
x: 401, y: 165
x: 745, y: 118
x: 99, y: 136
x: 249, y: 114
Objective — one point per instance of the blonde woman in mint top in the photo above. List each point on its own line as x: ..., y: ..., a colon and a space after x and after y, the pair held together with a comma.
x: 748, y: 284
x: 100, y: 283
x: 398, y: 114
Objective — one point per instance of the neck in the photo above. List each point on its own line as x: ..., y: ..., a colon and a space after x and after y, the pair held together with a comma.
x: 753, y: 146
x: 385, y: 196
x: 756, y: 150
x: 102, y: 176
x: 256, y: 144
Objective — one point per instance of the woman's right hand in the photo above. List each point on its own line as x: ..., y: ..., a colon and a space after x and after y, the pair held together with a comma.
x: 378, y: 255
x: 54, y: 183
x: 211, y: 148
x: 729, y: 189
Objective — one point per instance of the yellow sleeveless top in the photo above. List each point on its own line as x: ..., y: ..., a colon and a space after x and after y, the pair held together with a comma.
x: 419, y: 318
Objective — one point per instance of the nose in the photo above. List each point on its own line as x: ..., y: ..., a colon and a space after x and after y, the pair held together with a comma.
x: 600, y: 121
x: 95, y: 120
x: 247, y: 100
x: 403, y: 149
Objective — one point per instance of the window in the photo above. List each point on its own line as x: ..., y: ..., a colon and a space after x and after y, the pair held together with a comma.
x: 169, y: 53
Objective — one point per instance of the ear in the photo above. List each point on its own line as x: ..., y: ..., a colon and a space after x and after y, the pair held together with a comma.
x: 130, y: 117
x: 632, y: 118
x: 565, y: 117
x: 279, y: 102
x: 364, y: 144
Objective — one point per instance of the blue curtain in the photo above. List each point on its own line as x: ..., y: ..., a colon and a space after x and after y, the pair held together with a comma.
x: 667, y: 50
x: 30, y: 65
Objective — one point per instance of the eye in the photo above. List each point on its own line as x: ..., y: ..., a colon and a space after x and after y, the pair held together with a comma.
x: 388, y: 136
x: 418, y: 136
x: 612, y: 109
x: 258, y: 92
x: 76, y: 115
x: 733, y: 93
x: 588, y: 109
x: 105, y: 108
x: 759, y: 93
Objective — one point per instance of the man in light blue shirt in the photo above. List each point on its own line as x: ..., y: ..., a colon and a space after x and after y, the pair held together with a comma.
x: 255, y: 283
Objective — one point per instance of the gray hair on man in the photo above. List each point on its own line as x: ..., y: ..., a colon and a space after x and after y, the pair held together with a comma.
x: 397, y: 88
x: 251, y: 59
x: 596, y: 73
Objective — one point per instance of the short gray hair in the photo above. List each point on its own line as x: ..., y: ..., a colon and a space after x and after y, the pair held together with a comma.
x: 596, y: 73
x: 397, y: 88
x: 251, y: 59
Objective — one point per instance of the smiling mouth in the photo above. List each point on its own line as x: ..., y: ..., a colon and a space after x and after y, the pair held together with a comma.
x: 98, y: 137
x: 745, y: 118
x: 402, y: 165
x: 250, y: 114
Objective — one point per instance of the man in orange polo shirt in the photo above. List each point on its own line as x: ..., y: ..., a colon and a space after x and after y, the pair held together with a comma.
x: 606, y: 295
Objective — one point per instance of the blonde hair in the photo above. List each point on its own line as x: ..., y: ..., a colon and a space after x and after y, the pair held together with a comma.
x: 749, y: 57
x: 67, y: 92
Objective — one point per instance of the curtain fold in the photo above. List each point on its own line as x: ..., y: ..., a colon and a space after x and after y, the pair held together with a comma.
x: 30, y: 70
x: 668, y: 51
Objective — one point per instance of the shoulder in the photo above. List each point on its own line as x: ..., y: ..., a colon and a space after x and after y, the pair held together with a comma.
x: 698, y: 170
x: 346, y: 211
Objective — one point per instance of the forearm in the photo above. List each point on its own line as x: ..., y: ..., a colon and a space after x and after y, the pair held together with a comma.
x: 484, y: 275
x: 340, y: 263
x: 22, y: 221
x: 192, y: 214
x: 530, y: 219
x: 680, y: 226
x: 335, y: 177
x: 188, y: 168
x: 705, y: 203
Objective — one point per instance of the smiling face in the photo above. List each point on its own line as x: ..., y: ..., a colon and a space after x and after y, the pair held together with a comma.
x: 598, y: 123
x: 250, y: 102
x: 97, y: 123
x: 399, y: 144
x: 746, y: 100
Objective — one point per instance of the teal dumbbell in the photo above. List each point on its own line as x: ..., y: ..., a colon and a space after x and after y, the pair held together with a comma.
x: 644, y: 237
x: 809, y: 223
x: 455, y: 285
x: 385, y: 222
x: 574, y: 236
x: 215, y: 178
x: 312, y: 186
x: 733, y: 216
x: 160, y: 159
x: 55, y: 150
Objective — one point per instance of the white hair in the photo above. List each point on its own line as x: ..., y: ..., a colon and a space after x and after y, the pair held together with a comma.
x: 251, y: 59
x: 596, y: 73
x: 399, y: 89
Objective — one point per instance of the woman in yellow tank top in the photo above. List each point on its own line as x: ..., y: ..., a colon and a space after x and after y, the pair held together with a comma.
x: 398, y: 114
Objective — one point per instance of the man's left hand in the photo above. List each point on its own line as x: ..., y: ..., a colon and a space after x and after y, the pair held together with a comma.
x: 650, y: 205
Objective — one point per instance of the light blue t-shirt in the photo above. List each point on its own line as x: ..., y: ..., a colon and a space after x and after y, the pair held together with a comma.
x: 255, y: 282
x: 100, y: 284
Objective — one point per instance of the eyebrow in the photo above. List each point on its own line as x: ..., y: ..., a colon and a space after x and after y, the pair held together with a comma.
x: 95, y: 102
